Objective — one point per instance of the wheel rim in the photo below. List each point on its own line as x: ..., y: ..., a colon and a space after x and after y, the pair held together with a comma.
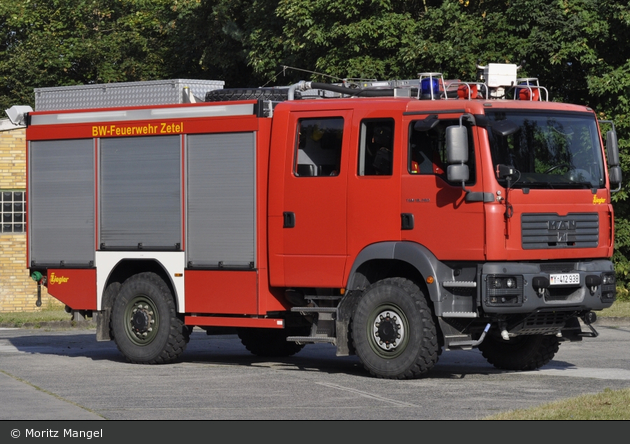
x: 141, y: 320
x: 388, y: 331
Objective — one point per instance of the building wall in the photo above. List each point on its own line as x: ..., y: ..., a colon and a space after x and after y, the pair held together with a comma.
x: 18, y: 292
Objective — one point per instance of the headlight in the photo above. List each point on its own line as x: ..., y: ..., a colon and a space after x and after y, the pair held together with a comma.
x: 608, y: 279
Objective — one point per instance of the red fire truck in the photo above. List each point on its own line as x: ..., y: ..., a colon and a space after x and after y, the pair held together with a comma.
x: 392, y: 220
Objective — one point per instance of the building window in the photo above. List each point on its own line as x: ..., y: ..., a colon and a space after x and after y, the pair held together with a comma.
x: 12, y: 211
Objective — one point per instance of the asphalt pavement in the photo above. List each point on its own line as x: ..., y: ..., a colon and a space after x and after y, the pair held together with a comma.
x: 63, y: 373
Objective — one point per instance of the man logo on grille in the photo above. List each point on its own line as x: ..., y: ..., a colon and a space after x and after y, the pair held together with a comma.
x: 569, y: 225
x: 562, y: 228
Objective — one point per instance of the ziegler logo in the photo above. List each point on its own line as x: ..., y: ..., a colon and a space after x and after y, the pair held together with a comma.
x: 598, y: 200
x: 58, y: 279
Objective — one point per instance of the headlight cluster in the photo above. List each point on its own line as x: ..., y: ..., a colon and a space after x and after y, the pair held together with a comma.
x: 609, y: 289
x: 504, y: 290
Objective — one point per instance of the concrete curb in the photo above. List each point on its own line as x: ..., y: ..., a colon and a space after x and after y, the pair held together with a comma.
x: 52, y: 325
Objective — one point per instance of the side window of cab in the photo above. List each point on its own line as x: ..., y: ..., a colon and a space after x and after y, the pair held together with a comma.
x: 318, y: 147
x: 376, y: 147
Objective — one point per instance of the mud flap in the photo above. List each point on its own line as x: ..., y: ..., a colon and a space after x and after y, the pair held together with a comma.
x: 102, y: 325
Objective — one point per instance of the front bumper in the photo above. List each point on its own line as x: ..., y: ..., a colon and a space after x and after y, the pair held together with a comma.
x: 525, y: 287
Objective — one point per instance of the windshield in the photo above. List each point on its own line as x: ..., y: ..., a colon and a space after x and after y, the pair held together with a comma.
x: 546, y: 151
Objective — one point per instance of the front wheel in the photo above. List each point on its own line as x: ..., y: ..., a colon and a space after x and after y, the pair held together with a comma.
x: 144, y: 321
x: 393, y: 331
x: 528, y: 352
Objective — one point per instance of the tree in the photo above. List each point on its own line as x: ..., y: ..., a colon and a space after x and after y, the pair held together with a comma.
x: 70, y: 42
x: 226, y: 29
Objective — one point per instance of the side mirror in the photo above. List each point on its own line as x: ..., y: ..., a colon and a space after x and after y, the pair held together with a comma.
x: 457, y: 154
x: 614, y: 175
x: 457, y: 173
x: 457, y: 144
x: 612, y: 148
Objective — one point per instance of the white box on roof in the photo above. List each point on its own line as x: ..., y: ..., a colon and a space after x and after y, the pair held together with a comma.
x: 500, y: 74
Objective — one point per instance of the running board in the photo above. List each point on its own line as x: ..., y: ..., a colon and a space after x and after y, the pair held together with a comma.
x: 312, y: 339
x: 470, y: 343
x: 459, y: 284
x: 455, y: 339
x: 323, y: 327
x: 305, y: 310
x: 576, y: 333
x: 589, y: 334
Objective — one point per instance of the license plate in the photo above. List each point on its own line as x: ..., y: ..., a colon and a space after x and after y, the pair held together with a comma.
x: 564, y: 279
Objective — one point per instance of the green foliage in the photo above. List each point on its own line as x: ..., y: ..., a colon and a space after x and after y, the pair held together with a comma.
x: 34, y: 318
x: 623, y: 297
x: 609, y: 405
x: 68, y: 42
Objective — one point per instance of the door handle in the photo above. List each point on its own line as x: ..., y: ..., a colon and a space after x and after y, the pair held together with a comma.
x: 406, y: 221
x: 288, y: 219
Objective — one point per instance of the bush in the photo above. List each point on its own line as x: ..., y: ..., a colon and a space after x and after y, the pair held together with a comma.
x: 623, y: 294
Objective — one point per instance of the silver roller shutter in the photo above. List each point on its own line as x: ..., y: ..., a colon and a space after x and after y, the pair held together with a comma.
x: 221, y: 200
x: 61, y: 202
x: 140, y: 193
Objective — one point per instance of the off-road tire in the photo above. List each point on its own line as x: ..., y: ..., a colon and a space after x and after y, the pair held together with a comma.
x: 527, y: 352
x: 144, y: 322
x: 269, y: 343
x: 233, y: 94
x: 388, y: 308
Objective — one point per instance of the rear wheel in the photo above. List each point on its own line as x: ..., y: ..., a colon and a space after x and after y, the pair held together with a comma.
x: 528, y: 352
x: 393, y: 331
x: 144, y: 321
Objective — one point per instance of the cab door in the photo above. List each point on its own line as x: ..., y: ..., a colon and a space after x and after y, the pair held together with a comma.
x: 443, y: 221
x: 314, y: 209
x: 374, y: 188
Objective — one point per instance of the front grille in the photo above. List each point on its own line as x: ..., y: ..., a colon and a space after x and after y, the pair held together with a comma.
x: 551, y: 231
